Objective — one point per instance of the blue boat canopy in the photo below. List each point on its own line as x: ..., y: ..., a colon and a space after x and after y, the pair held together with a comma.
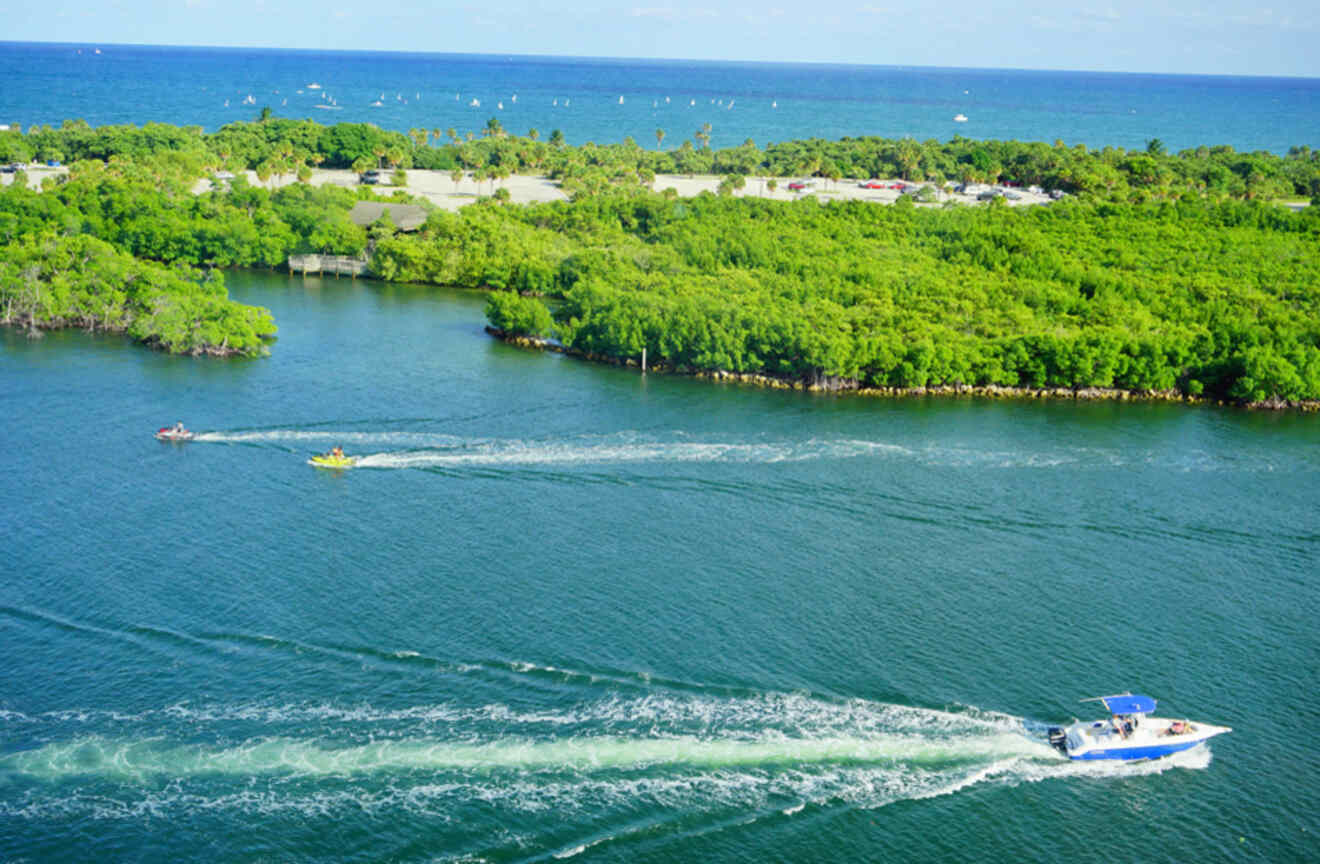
x: 1129, y: 704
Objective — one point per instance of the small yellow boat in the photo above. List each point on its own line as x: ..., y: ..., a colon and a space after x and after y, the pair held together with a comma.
x: 330, y: 460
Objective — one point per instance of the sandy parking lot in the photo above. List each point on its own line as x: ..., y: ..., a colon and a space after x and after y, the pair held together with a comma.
x: 438, y: 188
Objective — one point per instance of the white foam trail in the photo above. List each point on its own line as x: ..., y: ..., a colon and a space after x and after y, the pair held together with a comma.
x: 534, y: 453
x: 576, y: 795
x: 139, y: 759
x: 787, y: 713
x: 430, y: 449
x: 417, y: 439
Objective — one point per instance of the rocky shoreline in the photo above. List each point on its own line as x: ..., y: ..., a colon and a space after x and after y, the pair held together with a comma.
x: 833, y: 384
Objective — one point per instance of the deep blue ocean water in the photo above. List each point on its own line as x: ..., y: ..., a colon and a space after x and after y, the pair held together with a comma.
x: 48, y: 83
x: 565, y: 611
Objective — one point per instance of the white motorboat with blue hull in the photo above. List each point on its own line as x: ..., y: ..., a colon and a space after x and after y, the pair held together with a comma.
x: 1131, y: 733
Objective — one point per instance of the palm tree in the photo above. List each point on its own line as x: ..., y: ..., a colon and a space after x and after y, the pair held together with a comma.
x: 452, y: 135
x: 659, y: 138
x: 908, y: 157
x: 533, y: 133
x: 457, y: 176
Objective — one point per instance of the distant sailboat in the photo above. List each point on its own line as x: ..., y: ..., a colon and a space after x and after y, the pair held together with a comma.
x: 475, y: 103
x: 774, y: 104
x: 960, y: 118
x: 499, y: 105
x: 554, y: 103
x: 313, y: 86
x: 692, y: 104
x: 515, y: 98
x: 378, y: 104
x: 666, y: 100
x: 620, y: 100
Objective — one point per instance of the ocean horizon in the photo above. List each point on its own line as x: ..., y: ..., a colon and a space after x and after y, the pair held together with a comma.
x: 588, y: 100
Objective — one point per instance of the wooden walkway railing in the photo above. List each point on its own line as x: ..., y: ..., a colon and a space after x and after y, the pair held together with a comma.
x: 346, y: 265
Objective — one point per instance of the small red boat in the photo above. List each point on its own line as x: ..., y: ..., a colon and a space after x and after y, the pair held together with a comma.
x: 173, y: 433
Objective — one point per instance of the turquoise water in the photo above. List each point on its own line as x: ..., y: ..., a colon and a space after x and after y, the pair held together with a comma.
x: 581, y: 96
x: 568, y: 611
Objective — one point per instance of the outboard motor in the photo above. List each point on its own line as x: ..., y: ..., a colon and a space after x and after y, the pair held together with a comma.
x: 1059, y: 739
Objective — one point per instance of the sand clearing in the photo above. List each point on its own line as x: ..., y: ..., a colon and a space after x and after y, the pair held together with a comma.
x: 438, y: 188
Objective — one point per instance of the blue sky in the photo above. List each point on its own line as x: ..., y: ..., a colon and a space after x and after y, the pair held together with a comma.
x: 1192, y: 36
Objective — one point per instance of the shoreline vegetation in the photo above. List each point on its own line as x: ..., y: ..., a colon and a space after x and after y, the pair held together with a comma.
x: 854, y: 387
x: 1159, y: 276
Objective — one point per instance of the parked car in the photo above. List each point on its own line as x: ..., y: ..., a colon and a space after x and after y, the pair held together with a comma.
x: 799, y: 185
x: 871, y: 184
x: 8, y: 169
x: 371, y: 177
x: 1013, y: 196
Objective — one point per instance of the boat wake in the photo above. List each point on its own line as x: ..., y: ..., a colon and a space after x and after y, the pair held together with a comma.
x: 775, y: 754
x: 420, y: 449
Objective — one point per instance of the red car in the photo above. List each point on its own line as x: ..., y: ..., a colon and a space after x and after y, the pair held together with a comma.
x: 871, y: 184
x: 799, y: 185
x: 899, y: 186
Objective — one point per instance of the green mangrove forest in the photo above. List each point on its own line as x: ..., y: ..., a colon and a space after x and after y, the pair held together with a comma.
x: 1177, y: 274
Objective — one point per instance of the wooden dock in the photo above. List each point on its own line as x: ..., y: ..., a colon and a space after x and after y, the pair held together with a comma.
x: 340, y: 265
